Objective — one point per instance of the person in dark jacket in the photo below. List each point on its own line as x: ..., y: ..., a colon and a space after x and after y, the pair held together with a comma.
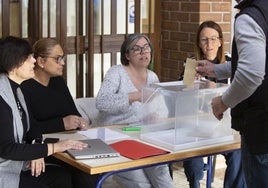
x: 209, y: 46
x: 21, y: 161
x: 247, y: 95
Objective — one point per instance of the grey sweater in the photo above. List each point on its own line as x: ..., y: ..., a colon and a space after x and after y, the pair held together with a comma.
x: 112, y: 99
x: 10, y: 169
x: 250, y: 71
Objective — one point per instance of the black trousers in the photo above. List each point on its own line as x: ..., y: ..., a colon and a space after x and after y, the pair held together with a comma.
x: 79, y: 178
x: 53, y: 177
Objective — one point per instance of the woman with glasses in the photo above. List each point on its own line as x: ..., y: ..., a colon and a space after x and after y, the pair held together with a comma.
x: 21, y: 157
x: 50, y: 101
x: 119, y: 102
x: 47, y: 93
x: 209, y: 46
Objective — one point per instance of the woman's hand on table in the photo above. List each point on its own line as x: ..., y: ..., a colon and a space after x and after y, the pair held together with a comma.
x: 72, y: 122
x: 64, y: 145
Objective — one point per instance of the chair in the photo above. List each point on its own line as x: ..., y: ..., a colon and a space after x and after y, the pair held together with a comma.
x: 87, y: 108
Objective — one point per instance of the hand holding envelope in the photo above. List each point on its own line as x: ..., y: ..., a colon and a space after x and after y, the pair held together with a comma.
x: 190, y: 71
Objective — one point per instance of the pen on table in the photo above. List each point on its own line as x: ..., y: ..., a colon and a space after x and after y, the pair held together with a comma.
x: 130, y: 128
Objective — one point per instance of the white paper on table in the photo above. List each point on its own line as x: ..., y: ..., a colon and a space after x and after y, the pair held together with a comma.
x: 104, y: 134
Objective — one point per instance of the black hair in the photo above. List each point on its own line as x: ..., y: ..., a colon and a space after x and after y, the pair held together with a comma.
x: 13, y: 52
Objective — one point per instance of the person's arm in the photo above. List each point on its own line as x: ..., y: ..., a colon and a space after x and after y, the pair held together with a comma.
x: 9, y: 149
x: 223, y: 70
x: 251, y: 47
x: 51, y: 125
x: 60, y: 85
x: 109, y: 99
x: 220, y: 71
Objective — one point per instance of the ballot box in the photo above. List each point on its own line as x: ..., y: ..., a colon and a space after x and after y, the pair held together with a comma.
x: 176, y: 116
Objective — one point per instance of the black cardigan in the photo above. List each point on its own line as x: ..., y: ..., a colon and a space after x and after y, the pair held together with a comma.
x: 9, y: 149
x: 49, y: 104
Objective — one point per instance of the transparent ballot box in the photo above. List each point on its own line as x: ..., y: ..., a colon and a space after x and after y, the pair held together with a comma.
x: 177, y: 117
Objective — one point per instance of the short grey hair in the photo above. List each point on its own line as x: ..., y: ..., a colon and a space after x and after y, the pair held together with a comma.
x: 129, y: 42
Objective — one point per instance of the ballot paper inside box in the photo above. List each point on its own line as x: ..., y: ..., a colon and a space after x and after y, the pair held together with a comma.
x: 176, y: 116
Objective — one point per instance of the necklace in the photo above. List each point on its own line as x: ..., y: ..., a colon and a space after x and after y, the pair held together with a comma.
x: 20, y: 108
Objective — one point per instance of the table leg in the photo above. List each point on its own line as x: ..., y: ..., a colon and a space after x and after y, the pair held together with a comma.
x: 104, y: 176
x: 209, y: 171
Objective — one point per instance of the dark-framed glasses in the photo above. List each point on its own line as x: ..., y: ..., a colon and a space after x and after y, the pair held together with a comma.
x: 141, y: 49
x: 58, y: 59
x: 205, y: 40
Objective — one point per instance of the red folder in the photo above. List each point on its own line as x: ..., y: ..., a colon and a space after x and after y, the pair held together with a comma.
x: 136, y: 150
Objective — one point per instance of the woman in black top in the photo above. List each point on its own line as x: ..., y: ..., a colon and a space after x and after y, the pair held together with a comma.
x: 51, y: 103
x: 47, y: 94
x: 21, y: 162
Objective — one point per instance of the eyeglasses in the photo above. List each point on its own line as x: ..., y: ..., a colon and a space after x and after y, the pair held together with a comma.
x: 58, y: 58
x: 138, y: 49
x: 205, y: 40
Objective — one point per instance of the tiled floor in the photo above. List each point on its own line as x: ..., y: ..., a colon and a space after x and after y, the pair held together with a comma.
x: 181, y: 182
x: 180, y: 179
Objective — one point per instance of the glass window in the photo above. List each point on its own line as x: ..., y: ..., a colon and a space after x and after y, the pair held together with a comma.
x: 52, y: 16
x: 84, y: 17
x: 45, y: 18
x: 49, y: 18
x: 25, y: 18
x: 97, y: 73
x: 71, y: 73
x: 147, y: 19
x: 121, y: 17
x: 131, y: 16
x: 106, y: 62
x: 118, y: 60
x: 107, y: 17
x: 71, y: 18
x: 97, y: 69
x: 14, y: 16
x: 97, y: 17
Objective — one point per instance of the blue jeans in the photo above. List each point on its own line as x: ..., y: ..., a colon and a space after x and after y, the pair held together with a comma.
x: 234, y: 176
x: 193, y: 170
x: 255, y: 167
